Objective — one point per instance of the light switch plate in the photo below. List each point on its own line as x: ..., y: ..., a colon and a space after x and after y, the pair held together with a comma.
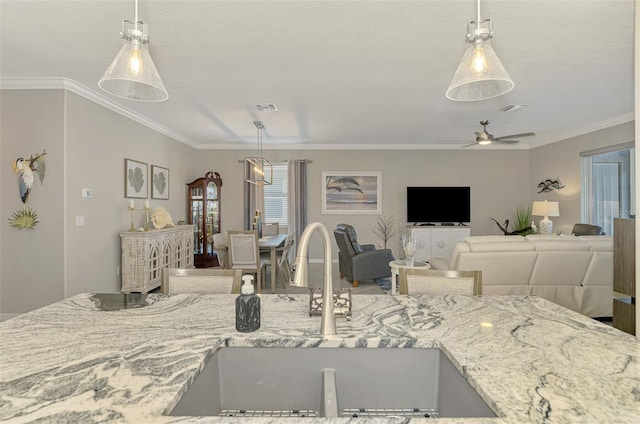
x: 86, y: 192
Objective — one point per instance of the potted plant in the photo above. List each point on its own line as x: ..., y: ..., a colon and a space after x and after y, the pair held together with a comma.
x: 522, y: 220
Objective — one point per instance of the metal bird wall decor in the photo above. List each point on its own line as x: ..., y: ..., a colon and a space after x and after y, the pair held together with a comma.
x: 549, y: 185
x: 25, y: 168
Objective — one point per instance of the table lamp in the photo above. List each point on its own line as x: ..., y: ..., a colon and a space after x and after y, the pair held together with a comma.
x: 545, y: 209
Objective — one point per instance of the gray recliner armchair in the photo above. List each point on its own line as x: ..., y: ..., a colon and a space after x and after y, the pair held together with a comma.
x: 360, y: 261
x: 587, y: 230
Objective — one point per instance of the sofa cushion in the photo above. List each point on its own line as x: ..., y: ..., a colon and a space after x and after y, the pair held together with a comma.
x: 514, y: 246
x: 600, y: 270
x: 568, y: 296
x: 561, y: 243
x: 507, y: 290
x: 485, y: 239
x: 503, y: 268
x: 592, y: 301
x: 560, y: 269
x: 599, y: 243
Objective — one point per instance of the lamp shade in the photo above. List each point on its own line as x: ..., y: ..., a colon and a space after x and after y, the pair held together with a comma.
x: 545, y: 208
x: 480, y: 74
x: 132, y: 74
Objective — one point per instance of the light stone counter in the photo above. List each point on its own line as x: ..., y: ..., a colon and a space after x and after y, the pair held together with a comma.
x: 538, y: 362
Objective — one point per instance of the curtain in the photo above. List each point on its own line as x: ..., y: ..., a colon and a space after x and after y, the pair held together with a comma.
x: 297, y: 200
x: 253, y: 197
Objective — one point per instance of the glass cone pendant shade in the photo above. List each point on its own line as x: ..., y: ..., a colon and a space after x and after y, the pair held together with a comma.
x: 132, y: 74
x: 480, y: 75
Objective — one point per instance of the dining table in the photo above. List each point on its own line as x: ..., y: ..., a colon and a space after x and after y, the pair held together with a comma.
x: 267, y: 244
x: 271, y: 244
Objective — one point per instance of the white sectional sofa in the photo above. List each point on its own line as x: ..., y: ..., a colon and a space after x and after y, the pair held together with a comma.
x: 575, y: 272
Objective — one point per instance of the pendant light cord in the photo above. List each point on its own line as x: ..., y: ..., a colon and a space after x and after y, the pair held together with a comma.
x: 135, y: 16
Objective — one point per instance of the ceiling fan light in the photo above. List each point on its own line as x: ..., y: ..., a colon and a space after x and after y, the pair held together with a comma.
x: 132, y: 74
x: 484, y: 142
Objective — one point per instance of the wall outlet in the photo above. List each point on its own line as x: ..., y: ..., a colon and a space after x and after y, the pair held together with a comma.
x: 79, y: 221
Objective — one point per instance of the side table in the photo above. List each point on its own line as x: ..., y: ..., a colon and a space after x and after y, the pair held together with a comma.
x: 395, y: 271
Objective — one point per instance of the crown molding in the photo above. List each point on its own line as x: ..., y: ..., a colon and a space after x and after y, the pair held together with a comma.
x: 59, y: 83
x: 595, y: 126
x: 360, y: 147
x: 83, y: 91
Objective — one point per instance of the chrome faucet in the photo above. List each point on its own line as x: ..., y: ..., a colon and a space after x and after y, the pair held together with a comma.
x: 301, y: 278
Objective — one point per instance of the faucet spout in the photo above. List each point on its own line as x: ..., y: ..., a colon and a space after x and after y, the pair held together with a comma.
x: 301, y: 278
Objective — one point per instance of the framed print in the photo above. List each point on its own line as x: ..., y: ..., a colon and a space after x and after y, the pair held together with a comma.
x: 135, y: 179
x: 351, y: 192
x: 159, y: 182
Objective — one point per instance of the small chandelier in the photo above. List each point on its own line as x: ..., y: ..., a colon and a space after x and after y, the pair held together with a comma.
x: 132, y: 74
x: 480, y: 74
x: 258, y: 169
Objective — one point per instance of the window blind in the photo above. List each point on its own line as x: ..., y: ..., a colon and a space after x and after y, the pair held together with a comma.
x: 276, y: 207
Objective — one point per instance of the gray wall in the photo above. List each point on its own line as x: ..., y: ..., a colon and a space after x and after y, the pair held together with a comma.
x: 563, y: 160
x: 498, y: 178
x: 87, y: 144
x: 32, y: 261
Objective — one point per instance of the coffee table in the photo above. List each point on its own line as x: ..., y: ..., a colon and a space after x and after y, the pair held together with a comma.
x: 395, y: 271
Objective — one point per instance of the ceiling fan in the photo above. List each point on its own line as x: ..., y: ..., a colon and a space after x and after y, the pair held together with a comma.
x: 484, y: 138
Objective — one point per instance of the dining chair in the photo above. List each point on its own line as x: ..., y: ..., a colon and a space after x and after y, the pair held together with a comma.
x: 220, y: 247
x: 431, y: 281
x: 270, y: 229
x: 244, y: 254
x: 284, y: 265
x: 201, y: 280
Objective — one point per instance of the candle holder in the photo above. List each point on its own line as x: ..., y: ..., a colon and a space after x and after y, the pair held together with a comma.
x: 131, y: 210
x: 146, y: 209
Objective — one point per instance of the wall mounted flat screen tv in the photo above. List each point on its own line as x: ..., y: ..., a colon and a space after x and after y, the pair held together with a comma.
x: 438, y: 204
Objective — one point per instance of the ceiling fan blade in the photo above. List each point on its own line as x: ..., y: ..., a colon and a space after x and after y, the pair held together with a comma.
x: 506, y: 141
x: 468, y: 145
x: 453, y: 142
x: 529, y: 134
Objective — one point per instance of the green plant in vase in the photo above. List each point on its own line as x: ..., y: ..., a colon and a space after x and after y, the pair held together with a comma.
x: 522, y: 219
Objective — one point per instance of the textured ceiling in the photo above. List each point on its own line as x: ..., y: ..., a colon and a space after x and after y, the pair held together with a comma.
x: 343, y: 74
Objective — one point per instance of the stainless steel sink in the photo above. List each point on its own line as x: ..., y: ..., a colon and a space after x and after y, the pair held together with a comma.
x: 246, y: 381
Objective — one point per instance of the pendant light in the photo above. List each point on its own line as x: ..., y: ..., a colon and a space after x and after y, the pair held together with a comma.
x: 132, y: 74
x: 480, y: 74
x: 259, y: 170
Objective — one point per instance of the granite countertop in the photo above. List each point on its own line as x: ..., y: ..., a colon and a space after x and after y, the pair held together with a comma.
x: 530, y: 360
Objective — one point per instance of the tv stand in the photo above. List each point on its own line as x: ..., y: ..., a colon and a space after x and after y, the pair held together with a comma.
x: 436, y: 241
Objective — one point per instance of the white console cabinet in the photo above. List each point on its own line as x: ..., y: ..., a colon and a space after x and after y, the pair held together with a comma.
x: 436, y: 241
x: 146, y: 253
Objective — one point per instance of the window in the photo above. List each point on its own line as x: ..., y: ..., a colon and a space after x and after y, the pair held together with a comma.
x: 276, y: 197
x: 608, y: 185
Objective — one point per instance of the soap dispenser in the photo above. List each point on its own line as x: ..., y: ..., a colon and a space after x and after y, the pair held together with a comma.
x: 247, y: 307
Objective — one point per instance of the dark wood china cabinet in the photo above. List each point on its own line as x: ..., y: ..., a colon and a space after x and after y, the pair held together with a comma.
x: 203, y: 202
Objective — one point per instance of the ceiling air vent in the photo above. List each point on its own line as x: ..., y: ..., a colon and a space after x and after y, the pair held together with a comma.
x: 267, y: 108
x: 512, y: 108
